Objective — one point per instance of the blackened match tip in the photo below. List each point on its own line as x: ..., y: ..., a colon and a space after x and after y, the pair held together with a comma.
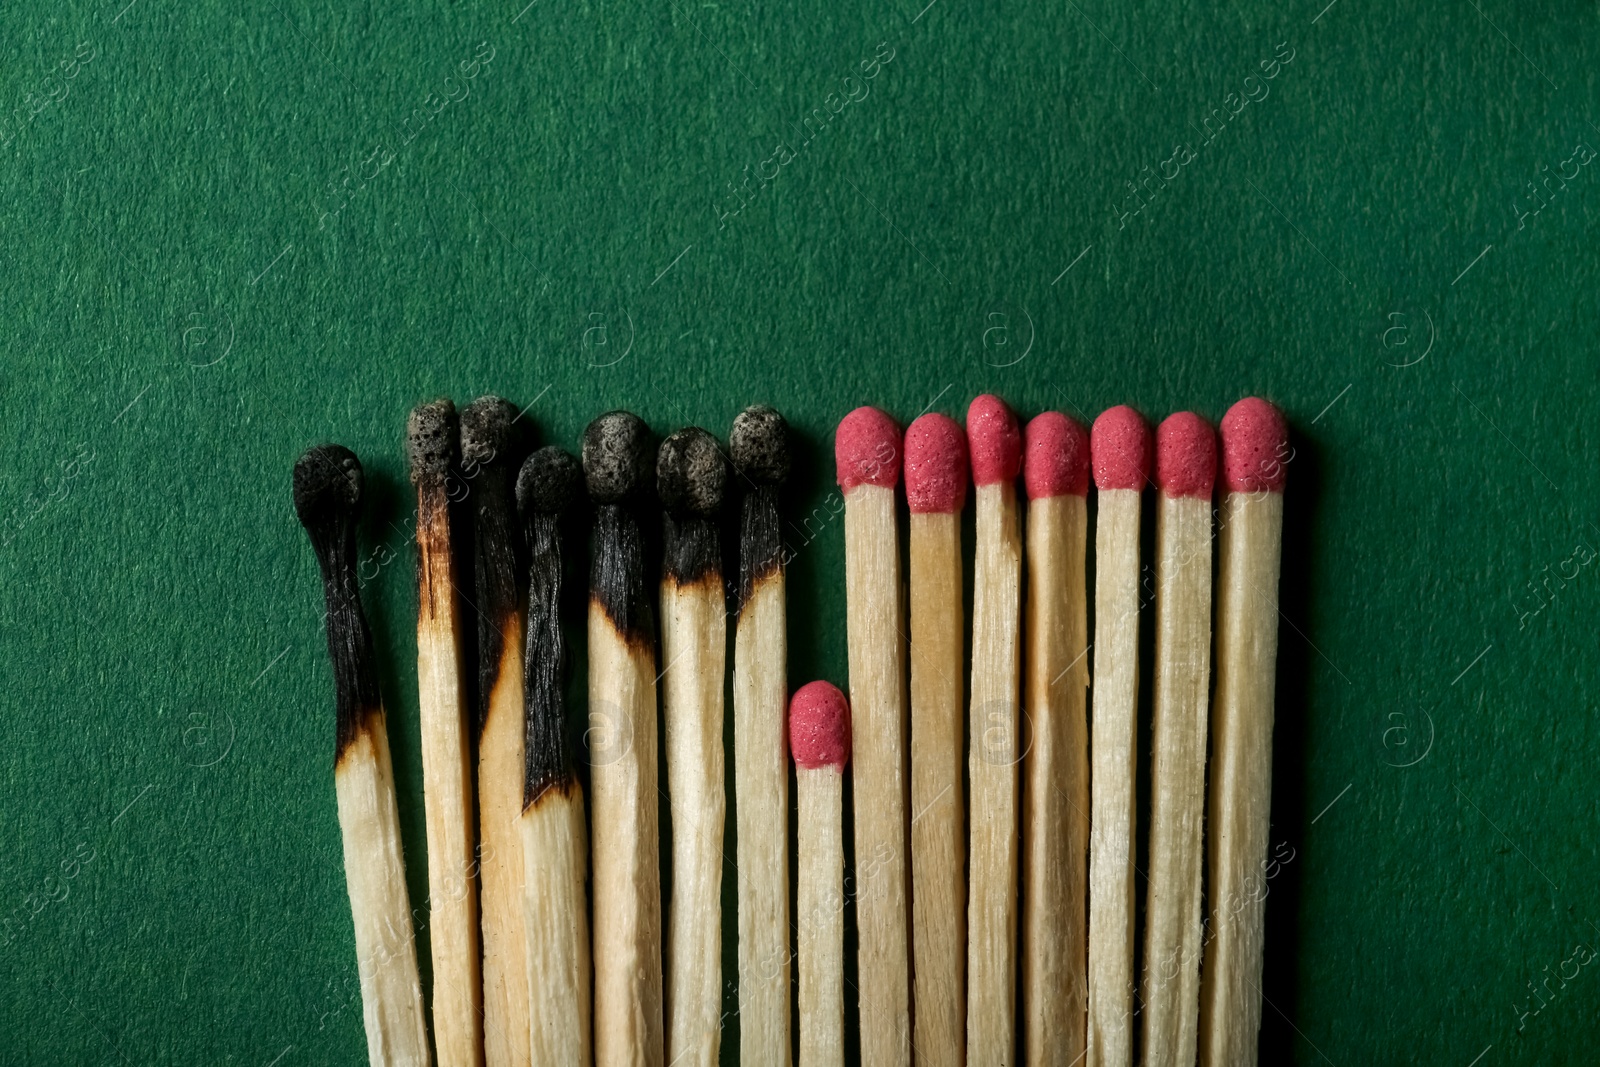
x: 431, y: 439
x: 691, y: 474
x: 548, y: 482
x: 616, y: 457
x: 490, y: 431
x: 759, y: 445
x: 327, y: 485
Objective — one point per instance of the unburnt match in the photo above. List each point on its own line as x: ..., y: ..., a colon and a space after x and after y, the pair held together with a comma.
x: 995, y: 441
x: 759, y: 447
x: 1055, y: 829
x: 490, y: 449
x: 446, y: 759
x: 1119, y: 446
x: 1255, y: 450
x: 327, y: 498
x: 867, y: 454
x: 819, y: 737
x: 690, y: 475
x: 1186, y: 470
x: 554, y: 841
x: 936, y: 490
x: 625, y: 835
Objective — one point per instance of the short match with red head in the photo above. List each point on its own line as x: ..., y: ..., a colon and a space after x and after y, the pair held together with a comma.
x: 1186, y: 456
x: 1119, y: 449
x: 1055, y: 459
x: 819, y: 726
x: 1255, y: 447
x: 936, y: 465
x: 995, y: 439
x: 866, y: 449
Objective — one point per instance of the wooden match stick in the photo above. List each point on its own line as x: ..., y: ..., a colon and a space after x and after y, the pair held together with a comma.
x: 327, y: 498
x: 759, y: 446
x: 490, y: 450
x: 690, y: 476
x: 625, y: 832
x: 555, y: 843
x: 446, y: 759
x: 1055, y: 830
x: 867, y: 454
x: 1255, y: 449
x: 936, y: 490
x: 1186, y: 468
x: 995, y: 441
x: 819, y: 736
x: 1119, y: 446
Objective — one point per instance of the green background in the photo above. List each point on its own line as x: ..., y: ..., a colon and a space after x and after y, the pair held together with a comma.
x: 192, y: 294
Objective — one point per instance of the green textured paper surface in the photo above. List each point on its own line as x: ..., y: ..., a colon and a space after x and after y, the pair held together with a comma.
x: 192, y: 295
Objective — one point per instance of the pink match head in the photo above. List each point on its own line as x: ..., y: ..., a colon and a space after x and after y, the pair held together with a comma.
x: 1120, y: 447
x: 866, y: 449
x: 1186, y: 456
x: 936, y: 464
x: 819, y: 726
x: 1255, y: 447
x: 1056, y: 459
x: 995, y: 439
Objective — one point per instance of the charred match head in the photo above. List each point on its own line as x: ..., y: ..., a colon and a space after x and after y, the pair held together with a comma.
x: 549, y: 482
x: 431, y: 441
x: 690, y: 474
x: 759, y: 445
x: 327, y: 489
x: 491, y: 433
x: 617, y: 467
x: 616, y: 457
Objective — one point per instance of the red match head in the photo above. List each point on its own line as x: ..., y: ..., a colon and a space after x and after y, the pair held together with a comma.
x: 995, y: 439
x: 1120, y: 447
x: 819, y: 726
x: 1186, y: 456
x: 1056, y: 459
x: 1255, y: 447
x: 866, y: 449
x: 936, y: 465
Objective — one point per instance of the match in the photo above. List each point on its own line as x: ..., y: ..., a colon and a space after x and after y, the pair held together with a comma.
x: 554, y: 840
x: 1119, y: 447
x: 758, y: 443
x: 867, y: 454
x: 327, y: 498
x: 490, y: 440
x: 690, y: 475
x: 1186, y: 469
x: 936, y: 491
x: 819, y: 737
x: 625, y: 831
x: 1055, y: 830
x: 1255, y: 450
x: 995, y: 441
x: 446, y: 758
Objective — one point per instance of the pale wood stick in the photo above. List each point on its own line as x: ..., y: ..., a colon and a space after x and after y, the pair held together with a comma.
x: 556, y: 919
x: 938, y: 830
x: 446, y: 757
x: 1254, y: 439
x: 1171, y: 990
x: 500, y: 778
x: 992, y: 762
x: 1055, y: 830
x: 821, y: 908
x: 1116, y: 703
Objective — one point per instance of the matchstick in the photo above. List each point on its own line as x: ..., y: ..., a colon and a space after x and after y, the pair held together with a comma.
x: 1255, y: 449
x: 936, y: 490
x: 1119, y: 446
x: 490, y: 439
x: 1186, y: 468
x: 625, y: 833
x: 759, y: 446
x: 819, y: 733
x: 554, y: 840
x: 327, y: 498
x: 446, y: 766
x: 1055, y: 831
x: 690, y: 475
x: 995, y: 441
x: 867, y: 454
